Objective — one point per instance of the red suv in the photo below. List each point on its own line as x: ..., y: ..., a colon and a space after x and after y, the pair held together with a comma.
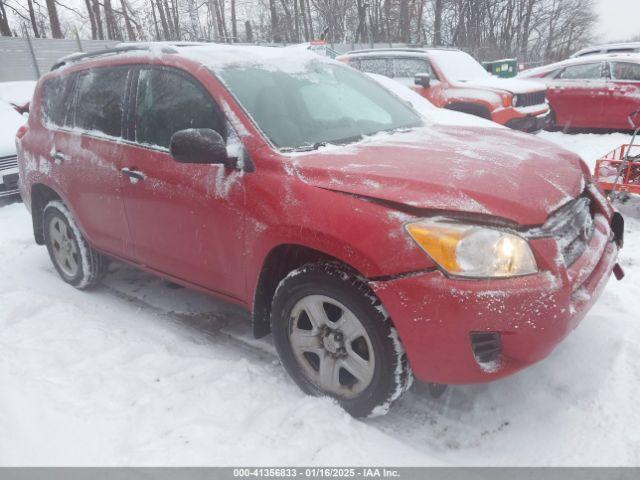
x: 593, y: 91
x: 453, y: 79
x: 373, y: 246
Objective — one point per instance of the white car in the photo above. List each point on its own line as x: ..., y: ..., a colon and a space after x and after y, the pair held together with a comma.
x: 11, y: 93
x: 629, y: 47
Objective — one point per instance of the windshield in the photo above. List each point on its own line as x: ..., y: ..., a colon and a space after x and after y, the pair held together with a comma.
x: 458, y: 66
x: 321, y: 103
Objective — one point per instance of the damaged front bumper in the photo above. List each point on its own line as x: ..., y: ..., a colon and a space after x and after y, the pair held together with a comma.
x: 459, y: 331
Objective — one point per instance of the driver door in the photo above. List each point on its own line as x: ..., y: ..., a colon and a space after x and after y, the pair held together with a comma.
x: 185, y: 219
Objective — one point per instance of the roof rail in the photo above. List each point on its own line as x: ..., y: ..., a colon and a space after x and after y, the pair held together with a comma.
x: 77, y: 57
x: 402, y: 49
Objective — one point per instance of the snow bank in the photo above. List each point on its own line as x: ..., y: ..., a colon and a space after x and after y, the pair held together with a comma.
x: 590, y: 146
x: 17, y: 92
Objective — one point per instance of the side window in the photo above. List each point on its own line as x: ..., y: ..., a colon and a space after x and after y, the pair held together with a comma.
x: 381, y: 66
x: 408, y: 67
x: 55, y: 100
x: 100, y: 100
x: 588, y: 71
x: 168, y: 101
x: 625, y: 71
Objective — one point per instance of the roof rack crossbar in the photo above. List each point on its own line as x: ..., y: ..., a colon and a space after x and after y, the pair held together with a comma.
x: 77, y: 57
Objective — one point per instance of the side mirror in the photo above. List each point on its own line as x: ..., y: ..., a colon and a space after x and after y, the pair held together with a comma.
x: 200, y: 145
x: 422, y: 80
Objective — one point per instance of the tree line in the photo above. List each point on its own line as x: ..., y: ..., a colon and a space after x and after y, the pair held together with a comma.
x: 532, y: 30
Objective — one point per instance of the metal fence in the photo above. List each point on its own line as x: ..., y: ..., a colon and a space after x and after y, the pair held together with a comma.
x: 28, y: 58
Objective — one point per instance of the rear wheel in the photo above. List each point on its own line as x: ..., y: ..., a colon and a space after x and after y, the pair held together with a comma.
x: 334, y: 339
x: 75, y: 261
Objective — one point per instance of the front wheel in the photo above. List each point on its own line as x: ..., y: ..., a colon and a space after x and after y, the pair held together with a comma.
x: 335, y: 339
x: 74, y: 259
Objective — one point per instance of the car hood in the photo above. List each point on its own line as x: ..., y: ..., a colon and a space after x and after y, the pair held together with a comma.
x: 493, y: 172
x: 512, y: 85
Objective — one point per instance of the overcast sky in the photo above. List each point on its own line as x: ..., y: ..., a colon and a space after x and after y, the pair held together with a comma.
x: 619, y: 19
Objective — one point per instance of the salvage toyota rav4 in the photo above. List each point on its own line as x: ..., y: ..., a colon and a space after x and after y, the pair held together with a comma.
x: 373, y: 244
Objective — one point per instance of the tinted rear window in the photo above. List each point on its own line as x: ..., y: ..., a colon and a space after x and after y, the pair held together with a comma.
x: 100, y: 100
x: 54, y: 101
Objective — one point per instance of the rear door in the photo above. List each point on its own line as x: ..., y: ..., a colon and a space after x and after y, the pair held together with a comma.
x: 185, y: 219
x: 623, y: 93
x: 86, y: 156
x: 578, y: 95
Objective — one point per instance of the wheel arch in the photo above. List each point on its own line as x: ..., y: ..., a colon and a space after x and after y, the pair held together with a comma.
x: 478, y: 109
x: 278, y: 263
x: 41, y: 195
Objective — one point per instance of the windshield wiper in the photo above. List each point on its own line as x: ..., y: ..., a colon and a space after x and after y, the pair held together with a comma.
x: 305, y: 148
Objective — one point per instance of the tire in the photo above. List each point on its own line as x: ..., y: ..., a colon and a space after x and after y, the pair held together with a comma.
x: 348, y: 335
x: 551, y: 121
x: 75, y: 261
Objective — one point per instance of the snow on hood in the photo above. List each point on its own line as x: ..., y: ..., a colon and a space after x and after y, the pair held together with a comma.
x: 496, y: 172
x: 428, y: 110
x: 513, y: 85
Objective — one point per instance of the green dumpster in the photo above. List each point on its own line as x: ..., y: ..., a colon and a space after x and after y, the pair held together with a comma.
x: 505, y: 68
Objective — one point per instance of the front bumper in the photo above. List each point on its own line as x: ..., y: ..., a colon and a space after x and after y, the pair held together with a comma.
x: 8, y: 176
x: 436, y: 316
x: 529, y: 123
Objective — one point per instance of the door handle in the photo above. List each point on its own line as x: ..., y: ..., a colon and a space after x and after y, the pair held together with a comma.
x: 58, y: 157
x: 134, y: 175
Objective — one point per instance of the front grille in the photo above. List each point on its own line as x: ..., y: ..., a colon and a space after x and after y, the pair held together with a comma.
x: 572, y: 226
x: 529, y: 99
x: 8, y: 162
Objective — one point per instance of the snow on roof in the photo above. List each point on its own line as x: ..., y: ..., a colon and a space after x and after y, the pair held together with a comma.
x: 396, y: 52
x: 217, y: 56
x: 211, y: 55
x: 607, y: 46
x: 601, y: 57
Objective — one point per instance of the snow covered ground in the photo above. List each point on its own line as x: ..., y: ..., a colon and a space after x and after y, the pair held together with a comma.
x: 140, y: 373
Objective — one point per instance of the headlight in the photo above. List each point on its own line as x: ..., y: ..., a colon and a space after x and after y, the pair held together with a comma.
x: 473, y: 251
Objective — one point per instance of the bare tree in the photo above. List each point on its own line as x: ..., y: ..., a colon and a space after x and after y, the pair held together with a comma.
x: 4, y: 21
x: 54, y: 21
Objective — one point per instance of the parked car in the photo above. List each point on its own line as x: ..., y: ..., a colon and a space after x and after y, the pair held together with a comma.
x: 453, y: 79
x: 14, y: 97
x: 629, y: 47
x: 594, y: 91
x: 372, y: 246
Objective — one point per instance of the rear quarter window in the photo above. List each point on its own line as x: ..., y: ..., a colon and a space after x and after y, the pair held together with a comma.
x: 625, y: 71
x: 55, y: 100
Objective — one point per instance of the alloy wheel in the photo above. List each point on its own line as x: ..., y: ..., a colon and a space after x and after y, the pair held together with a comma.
x: 331, y: 346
